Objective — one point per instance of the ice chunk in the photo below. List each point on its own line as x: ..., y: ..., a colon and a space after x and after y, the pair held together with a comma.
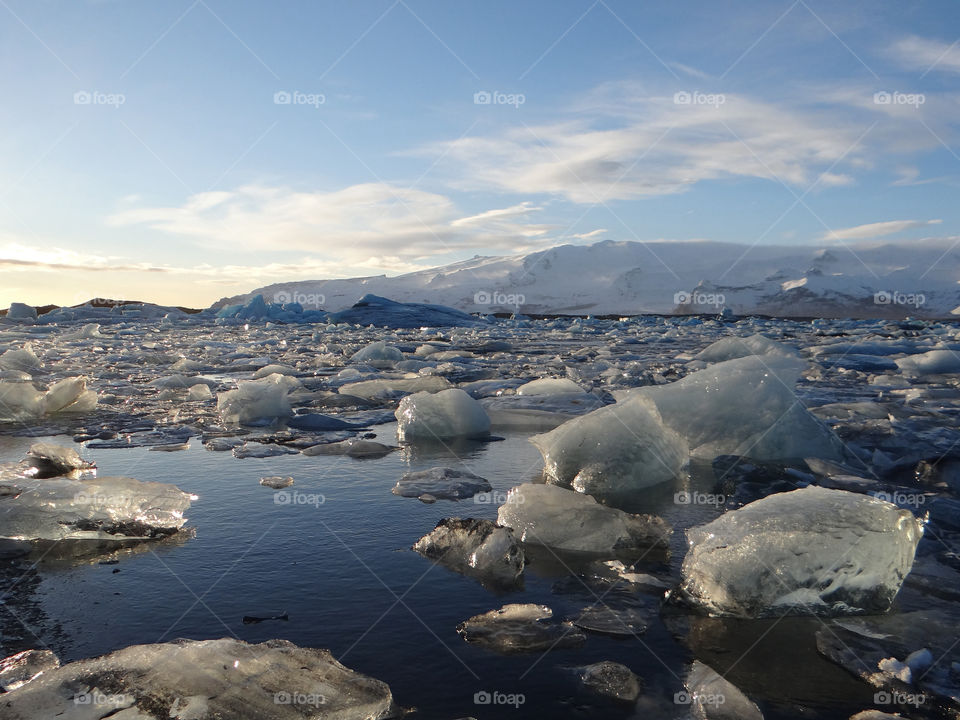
x: 378, y: 355
x: 47, y: 460
x: 20, y: 311
x: 352, y: 447
x: 477, y: 548
x: 730, y: 348
x: 614, y: 449
x: 257, y: 400
x: 90, y: 330
x: 316, y: 422
x: 276, y: 482
x: 813, y: 550
x: 616, y: 621
x: 194, y: 680
x: 274, y: 368
x: 369, y: 389
x: 20, y: 401
x: 520, y: 628
x: 442, y: 483
x: 549, y: 386
x: 426, y: 417
x: 108, y: 508
x: 199, y: 392
x: 713, y: 698
x: 19, y: 359
x: 611, y: 680
x: 707, y: 408
x: 935, y: 362
x: 17, y: 670
x: 69, y: 395
x: 565, y: 520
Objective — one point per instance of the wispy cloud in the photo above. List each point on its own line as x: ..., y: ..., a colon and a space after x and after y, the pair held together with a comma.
x: 927, y: 54
x: 877, y: 229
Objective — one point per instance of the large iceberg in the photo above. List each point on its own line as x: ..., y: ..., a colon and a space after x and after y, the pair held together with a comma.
x: 379, y: 311
x: 107, y: 508
x: 746, y: 407
x: 614, y: 449
x: 565, y: 520
x: 809, y: 551
x: 447, y: 414
x: 200, y: 679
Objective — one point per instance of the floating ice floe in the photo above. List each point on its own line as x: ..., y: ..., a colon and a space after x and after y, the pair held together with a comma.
x: 610, y: 680
x: 108, y: 508
x: 429, y: 417
x: 477, y: 548
x: 520, y: 628
x: 257, y: 400
x: 22, y: 359
x: 199, y: 679
x: 352, y: 447
x: 565, y: 520
x: 549, y: 386
x: 809, y: 551
x: 442, y: 483
x: 612, y: 450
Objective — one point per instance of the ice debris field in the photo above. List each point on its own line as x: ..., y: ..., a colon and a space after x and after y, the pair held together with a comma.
x: 266, y: 512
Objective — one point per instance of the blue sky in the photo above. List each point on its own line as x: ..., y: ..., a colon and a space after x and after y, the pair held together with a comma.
x: 149, y: 153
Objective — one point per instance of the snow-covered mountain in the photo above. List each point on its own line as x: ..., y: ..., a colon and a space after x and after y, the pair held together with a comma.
x: 622, y: 278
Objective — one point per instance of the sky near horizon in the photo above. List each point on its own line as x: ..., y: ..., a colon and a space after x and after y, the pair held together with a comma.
x: 182, y: 151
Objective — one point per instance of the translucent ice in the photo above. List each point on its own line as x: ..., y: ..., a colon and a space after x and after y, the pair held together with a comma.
x: 257, y: 399
x: 369, y: 389
x: 17, y: 670
x: 477, y: 548
x: 442, y: 483
x: 108, y: 508
x: 19, y: 359
x: 199, y: 679
x: 378, y: 354
x: 812, y: 551
x: 48, y: 460
x: 610, y: 680
x: 614, y: 449
x: 565, y: 520
x: 549, y: 386
x: 711, y: 697
x: 744, y: 407
x: 426, y: 417
x: 730, y: 348
x: 935, y: 362
x: 520, y: 628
